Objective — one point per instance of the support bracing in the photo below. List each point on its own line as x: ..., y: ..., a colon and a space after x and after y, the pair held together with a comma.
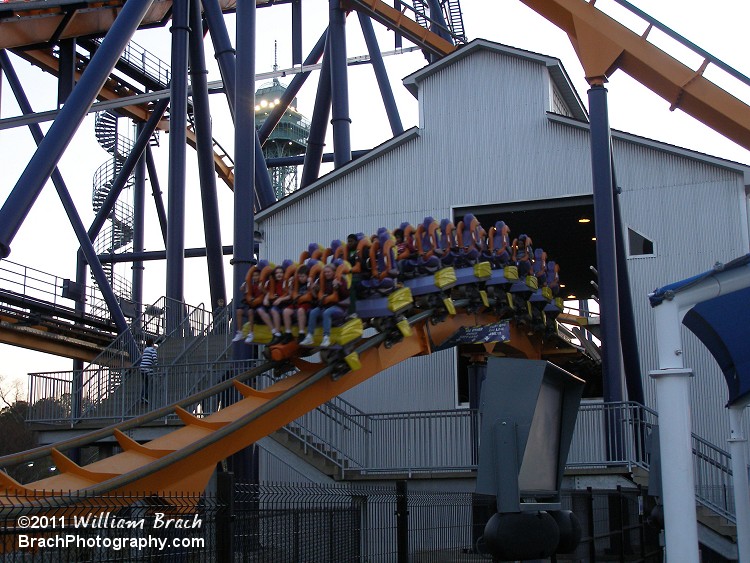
x: 291, y: 91
x: 376, y: 60
x: 225, y: 56
x: 204, y: 146
x: 48, y: 154
x: 87, y: 247
x: 318, y: 124
x: 153, y: 177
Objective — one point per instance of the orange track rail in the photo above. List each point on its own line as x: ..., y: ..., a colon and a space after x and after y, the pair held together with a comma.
x: 605, y: 45
x: 182, y: 461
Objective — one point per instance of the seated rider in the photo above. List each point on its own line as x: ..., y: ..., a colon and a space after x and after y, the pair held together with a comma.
x: 333, y: 296
x: 252, y: 299
x: 273, y: 302
x: 299, y: 304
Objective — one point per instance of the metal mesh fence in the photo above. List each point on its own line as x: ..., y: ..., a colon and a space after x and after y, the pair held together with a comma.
x: 281, y: 523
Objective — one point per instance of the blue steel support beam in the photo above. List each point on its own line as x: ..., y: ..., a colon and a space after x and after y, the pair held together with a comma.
x: 153, y: 177
x: 139, y: 213
x: 244, y: 136
x: 225, y: 56
x: 606, y: 247
x: 340, y: 120
x: 141, y: 142
x: 318, y: 124
x: 177, y: 163
x: 376, y: 59
x: 75, y: 220
x: 150, y: 255
x: 291, y: 91
x: 48, y: 154
x: 438, y: 24
x: 204, y: 147
x: 66, y: 75
x: 296, y: 32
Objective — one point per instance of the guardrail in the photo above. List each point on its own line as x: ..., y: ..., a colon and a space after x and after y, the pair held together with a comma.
x: 30, y: 287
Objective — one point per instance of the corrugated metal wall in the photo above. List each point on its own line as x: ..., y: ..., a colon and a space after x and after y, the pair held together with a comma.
x: 486, y: 139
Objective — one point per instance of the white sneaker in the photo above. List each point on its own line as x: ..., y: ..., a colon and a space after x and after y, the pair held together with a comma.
x: 307, y: 341
x: 326, y: 341
x: 250, y: 337
x: 238, y: 336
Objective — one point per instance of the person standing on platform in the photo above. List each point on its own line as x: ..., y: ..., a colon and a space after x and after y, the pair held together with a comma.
x: 148, y: 363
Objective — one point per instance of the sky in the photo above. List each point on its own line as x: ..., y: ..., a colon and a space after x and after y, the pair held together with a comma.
x: 46, y: 242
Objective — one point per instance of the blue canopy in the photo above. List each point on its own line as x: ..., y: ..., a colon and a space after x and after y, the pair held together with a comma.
x: 722, y: 324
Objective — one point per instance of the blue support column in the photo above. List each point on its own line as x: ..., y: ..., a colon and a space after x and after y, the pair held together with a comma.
x: 376, y: 60
x: 296, y: 32
x: 398, y: 40
x: 244, y: 136
x: 75, y: 220
x: 606, y: 247
x: 291, y: 91
x: 141, y: 142
x: 48, y: 154
x: 204, y: 147
x: 226, y: 59
x: 161, y: 211
x: 66, y: 76
x: 177, y: 148
x: 340, y: 120
x: 139, y: 209
x: 318, y: 125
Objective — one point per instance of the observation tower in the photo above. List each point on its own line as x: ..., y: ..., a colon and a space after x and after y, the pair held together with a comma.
x: 289, y: 137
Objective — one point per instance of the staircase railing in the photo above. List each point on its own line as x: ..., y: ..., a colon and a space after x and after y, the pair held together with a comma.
x: 714, y: 486
x: 107, y: 372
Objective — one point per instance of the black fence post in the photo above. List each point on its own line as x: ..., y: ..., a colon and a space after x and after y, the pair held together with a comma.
x: 225, y: 516
x: 591, y: 530
x: 402, y: 521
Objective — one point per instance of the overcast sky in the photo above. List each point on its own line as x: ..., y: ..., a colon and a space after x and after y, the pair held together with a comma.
x: 46, y: 241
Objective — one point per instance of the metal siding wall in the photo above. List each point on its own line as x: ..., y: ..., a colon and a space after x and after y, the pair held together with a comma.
x: 422, y: 383
x: 690, y: 211
x: 480, y: 148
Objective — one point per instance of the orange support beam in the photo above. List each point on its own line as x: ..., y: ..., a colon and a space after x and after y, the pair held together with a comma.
x: 604, y: 45
x: 393, y: 18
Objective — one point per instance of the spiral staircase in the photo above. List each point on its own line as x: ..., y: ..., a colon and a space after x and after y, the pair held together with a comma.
x: 117, y: 234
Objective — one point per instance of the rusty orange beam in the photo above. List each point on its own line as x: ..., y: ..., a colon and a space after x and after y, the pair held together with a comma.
x: 33, y: 23
x: 45, y: 60
x: 604, y: 45
x: 395, y: 19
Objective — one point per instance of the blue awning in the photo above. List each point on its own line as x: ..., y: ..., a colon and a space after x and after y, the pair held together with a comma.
x: 722, y: 324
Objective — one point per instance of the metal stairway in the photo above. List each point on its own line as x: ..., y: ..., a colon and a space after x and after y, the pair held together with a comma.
x: 451, y: 13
